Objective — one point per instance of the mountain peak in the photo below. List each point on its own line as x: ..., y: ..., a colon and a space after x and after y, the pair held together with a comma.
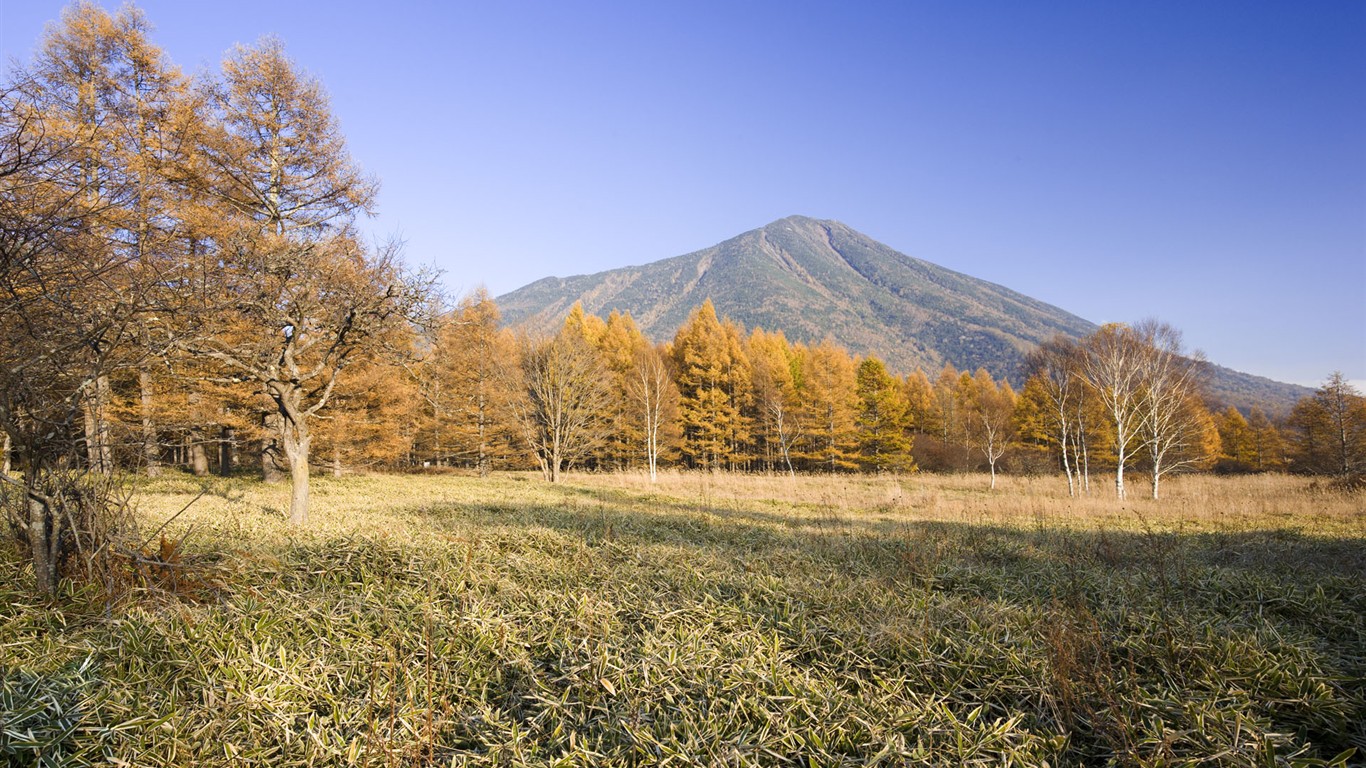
x: 816, y: 278
x: 813, y: 278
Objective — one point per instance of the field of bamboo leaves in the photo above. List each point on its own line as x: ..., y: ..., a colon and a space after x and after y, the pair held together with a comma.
x: 705, y: 620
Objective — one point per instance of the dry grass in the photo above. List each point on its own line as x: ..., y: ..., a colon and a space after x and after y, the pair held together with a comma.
x: 720, y: 620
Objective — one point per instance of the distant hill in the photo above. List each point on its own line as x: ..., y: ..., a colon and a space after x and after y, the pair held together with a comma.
x: 812, y: 278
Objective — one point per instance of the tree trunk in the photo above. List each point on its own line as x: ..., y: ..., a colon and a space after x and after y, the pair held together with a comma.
x: 1066, y: 465
x: 199, y: 458
x: 4, y: 455
x: 226, y: 446
x: 43, y: 535
x: 296, y: 443
x: 99, y: 452
x: 336, y: 459
x: 274, y: 463
x: 151, y: 452
x: 483, y: 437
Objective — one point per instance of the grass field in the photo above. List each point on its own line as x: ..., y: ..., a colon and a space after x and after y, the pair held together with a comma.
x: 709, y: 620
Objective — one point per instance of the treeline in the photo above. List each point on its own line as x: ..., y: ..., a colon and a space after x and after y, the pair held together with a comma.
x: 600, y: 396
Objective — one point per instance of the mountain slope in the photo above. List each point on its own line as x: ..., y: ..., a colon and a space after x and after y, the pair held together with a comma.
x: 812, y: 278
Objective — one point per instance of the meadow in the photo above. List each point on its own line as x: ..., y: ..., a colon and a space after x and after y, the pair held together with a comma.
x: 706, y: 620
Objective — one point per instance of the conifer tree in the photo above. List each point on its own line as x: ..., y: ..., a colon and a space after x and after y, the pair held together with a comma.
x: 299, y: 295
x: 883, y: 420
x: 463, y: 383
x: 713, y: 381
x: 1329, y: 429
x: 776, y: 404
x: 622, y: 345
x: 829, y: 397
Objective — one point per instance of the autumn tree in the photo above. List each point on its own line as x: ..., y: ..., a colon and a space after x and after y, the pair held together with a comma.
x: 945, y: 431
x: 462, y: 381
x: 1236, y: 443
x: 988, y: 412
x: 920, y: 401
x: 100, y: 83
x: 652, y: 391
x: 1173, y: 423
x: 67, y: 302
x: 1054, y: 383
x: 365, y: 424
x: 1112, y: 367
x: 298, y: 295
x: 713, y: 383
x: 775, y: 401
x: 564, y: 396
x: 828, y: 391
x: 883, y: 420
x: 1268, y: 444
x: 1329, y: 429
x: 622, y: 345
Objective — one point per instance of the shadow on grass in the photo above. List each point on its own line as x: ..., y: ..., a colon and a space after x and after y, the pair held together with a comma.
x: 828, y: 532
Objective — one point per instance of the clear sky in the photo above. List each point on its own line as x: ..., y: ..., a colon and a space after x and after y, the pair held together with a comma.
x: 1203, y: 163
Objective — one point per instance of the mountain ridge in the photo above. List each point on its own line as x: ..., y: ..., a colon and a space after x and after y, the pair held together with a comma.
x: 813, y: 278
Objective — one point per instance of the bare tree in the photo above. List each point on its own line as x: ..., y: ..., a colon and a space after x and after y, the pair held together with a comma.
x: 989, y: 418
x: 566, y: 395
x: 1055, y: 365
x: 654, y: 392
x: 66, y: 305
x: 1112, y: 367
x: 1172, y: 382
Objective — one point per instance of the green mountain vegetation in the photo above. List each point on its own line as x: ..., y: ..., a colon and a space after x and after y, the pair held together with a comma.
x: 814, y: 279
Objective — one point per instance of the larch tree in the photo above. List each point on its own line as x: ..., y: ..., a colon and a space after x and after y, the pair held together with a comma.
x: 1329, y: 429
x: 713, y: 382
x: 465, y: 387
x: 1268, y: 444
x: 89, y: 79
x: 1236, y: 445
x: 364, y: 425
x: 775, y: 397
x: 300, y: 295
x: 622, y: 345
x: 883, y: 420
x: 67, y: 303
x: 829, y: 396
x: 920, y: 401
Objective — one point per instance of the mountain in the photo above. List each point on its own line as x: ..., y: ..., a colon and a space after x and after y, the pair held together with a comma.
x: 812, y: 278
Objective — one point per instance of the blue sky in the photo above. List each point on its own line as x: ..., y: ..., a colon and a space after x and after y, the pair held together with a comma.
x: 1203, y: 163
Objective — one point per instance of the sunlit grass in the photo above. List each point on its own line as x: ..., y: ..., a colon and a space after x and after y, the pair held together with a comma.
x: 713, y: 619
